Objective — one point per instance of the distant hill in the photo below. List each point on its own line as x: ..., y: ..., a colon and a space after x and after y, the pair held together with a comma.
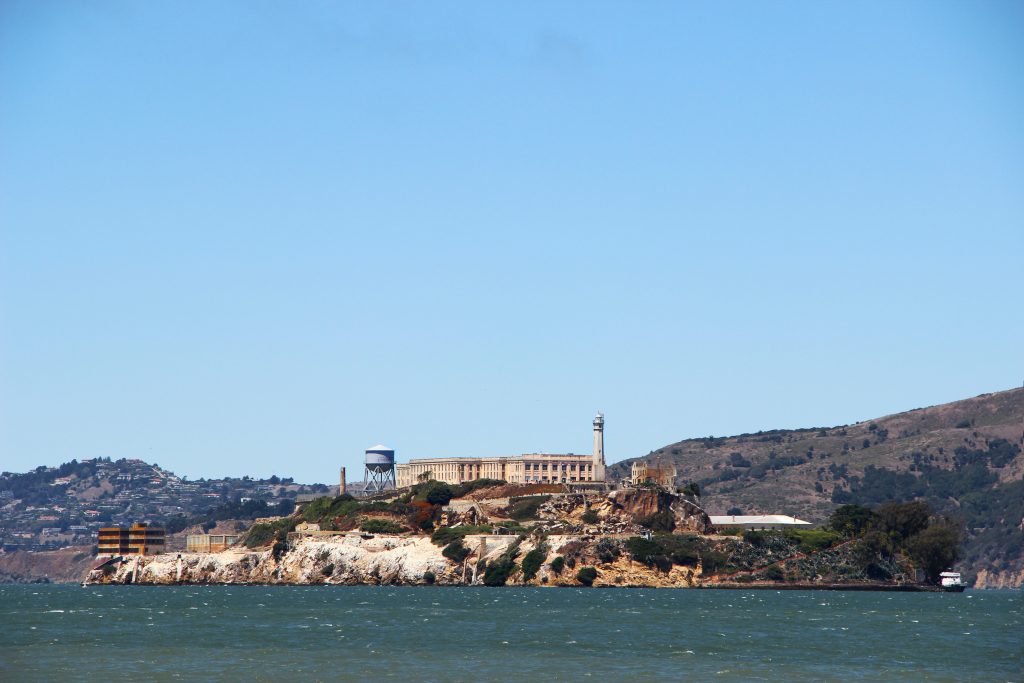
x: 963, y: 457
x: 54, y: 507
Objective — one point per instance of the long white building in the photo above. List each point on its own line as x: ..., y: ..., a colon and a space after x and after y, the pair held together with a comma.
x: 529, y: 468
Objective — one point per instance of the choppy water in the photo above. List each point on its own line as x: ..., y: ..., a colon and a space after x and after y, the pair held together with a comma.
x: 64, y: 633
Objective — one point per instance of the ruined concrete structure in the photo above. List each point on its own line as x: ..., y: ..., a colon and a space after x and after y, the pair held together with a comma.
x: 209, y: 543
x: 529, y: 468
x: 646, y: 473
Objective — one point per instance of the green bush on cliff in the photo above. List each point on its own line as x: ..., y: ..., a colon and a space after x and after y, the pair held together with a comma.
x: 380, y: 526
x: 532, y: 563
x: 456, y: 551
x: 643, y: 550
x: 586, y: 576
x: 590, y: 517
x: 329, y: 508
x: 498, y: 571
x: 557, y: 564
x: 263, y: 534
x: 526, y: 508
x: 713, y: 561
x: 447, y: 534
x: 259, y: 535
x: 813, y: 540
x: 607, y: 550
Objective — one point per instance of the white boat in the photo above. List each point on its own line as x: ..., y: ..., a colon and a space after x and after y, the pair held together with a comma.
x: 950, y: 581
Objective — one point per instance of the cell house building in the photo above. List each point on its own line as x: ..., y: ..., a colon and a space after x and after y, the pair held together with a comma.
x: 529, y: 468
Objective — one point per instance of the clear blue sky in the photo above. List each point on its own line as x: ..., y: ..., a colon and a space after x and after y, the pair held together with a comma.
x: 254, y: 238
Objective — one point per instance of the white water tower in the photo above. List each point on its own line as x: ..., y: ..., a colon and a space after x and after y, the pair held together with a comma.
x: 380, y: 470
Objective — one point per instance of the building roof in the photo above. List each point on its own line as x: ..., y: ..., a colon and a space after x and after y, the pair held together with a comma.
x: 726, y: 520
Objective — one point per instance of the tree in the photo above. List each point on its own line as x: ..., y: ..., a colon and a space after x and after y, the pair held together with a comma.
x: 692, y: 489
x: 901, y: 520
x: 850, y: 520
x: 935, y: 549
x: 438, y: 493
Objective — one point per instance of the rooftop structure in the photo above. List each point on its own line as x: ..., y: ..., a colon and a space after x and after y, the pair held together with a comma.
x: 759, y: 521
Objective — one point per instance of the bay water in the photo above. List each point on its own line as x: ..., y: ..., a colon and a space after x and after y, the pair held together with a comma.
x: 333, y: 633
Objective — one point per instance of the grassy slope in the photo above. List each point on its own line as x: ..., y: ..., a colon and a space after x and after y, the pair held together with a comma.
x: 814, y: 462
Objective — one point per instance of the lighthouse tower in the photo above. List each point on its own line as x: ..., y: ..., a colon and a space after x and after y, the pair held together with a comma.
x: 599, y: 447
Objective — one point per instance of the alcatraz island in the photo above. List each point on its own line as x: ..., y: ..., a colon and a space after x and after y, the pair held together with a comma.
x: 540, y: 519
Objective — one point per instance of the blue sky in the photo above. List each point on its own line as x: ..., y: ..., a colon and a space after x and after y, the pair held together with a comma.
x: 255, y: 238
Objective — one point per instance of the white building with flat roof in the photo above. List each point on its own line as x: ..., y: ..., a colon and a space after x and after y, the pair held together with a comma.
x: 759, y: 522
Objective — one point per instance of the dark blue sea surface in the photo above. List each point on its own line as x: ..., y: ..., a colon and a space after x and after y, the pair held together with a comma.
x: 258, y: 633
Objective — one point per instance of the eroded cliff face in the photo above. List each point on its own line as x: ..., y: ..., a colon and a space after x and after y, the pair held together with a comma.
x: 1006, y: 579
x: 340, y: 559
x: 391, y: 560
x: 627, y: 511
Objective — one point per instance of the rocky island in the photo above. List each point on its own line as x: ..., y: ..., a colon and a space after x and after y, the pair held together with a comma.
x: 491, y: 533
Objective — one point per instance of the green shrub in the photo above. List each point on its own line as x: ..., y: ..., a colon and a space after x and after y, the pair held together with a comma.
x: 608, y: 550
x: 456, y: 551
x: 774, y: 573
x: 813, y: 540
x: 380, y: 526
x: 526, y: 508
x: 681, y: 549
x: 498, y: 571
x: 590, y: 517
x: 263, y: 534
x: 329, y: 508
x: 447, y: 534
x: 754, y: 538
x: 586, y: 576
x: 713, y: 561
x: 259, y: 535
x: 532, y: 563
x: 557, y: 564
x: 328, y: 569
x: 433, y: 492
x: 429, y: 578
x: 641, y: 549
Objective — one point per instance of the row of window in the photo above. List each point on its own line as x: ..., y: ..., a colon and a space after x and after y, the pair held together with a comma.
x: 543, y: 466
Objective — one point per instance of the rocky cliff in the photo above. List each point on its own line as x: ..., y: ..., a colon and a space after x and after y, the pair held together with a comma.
x: 385, y: 560
x: 628, y: 537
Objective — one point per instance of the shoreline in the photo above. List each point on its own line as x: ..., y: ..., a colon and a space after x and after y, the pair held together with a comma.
x: 854, y: 587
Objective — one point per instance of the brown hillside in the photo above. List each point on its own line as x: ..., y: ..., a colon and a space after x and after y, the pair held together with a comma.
x: 807, y: 472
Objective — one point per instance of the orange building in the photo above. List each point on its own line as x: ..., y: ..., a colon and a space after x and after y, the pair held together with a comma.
x: 138, y: 539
